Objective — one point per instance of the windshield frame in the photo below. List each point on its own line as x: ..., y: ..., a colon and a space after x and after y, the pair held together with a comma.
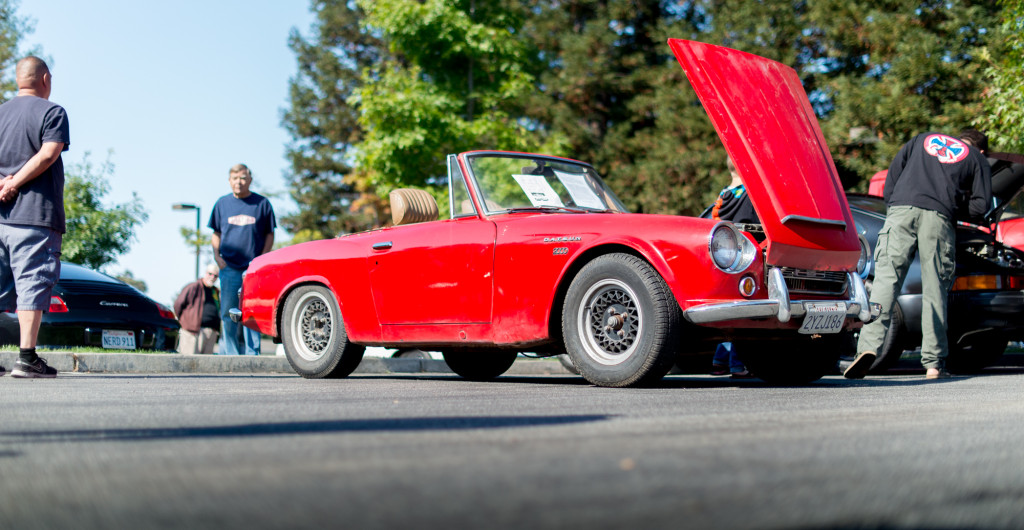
x: 469, y: 169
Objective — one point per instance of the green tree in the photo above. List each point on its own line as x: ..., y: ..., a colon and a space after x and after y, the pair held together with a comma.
x: 614, y: 89
x: 12, y: 29
x: 198, y: 240
x: 1003, y: 98
x: 96, y: 235
x: 457, y: 79
x: 324, y: 126
x: 886, y: 71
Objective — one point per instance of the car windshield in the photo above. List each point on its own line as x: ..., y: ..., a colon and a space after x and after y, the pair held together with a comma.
x: 867, y: 202
x: 530, y: 182
x: 72, y: 272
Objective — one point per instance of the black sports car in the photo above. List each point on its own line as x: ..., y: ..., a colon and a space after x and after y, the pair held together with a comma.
x: 88, y: 308
x: 986, y: 303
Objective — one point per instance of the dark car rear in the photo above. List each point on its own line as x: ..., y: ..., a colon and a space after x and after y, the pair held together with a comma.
x: 88, y: 308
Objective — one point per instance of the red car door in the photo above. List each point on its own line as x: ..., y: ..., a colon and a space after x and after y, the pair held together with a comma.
x: 434, y: 273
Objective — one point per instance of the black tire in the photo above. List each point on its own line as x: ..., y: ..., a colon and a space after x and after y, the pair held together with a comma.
x: 314, y: 337
x: 621, y: 324
x: 893, y: 346
x: 479, y: 365
x: 567, y: 363
x: 410, y: 353
x: 791, y: 362
x: 974, y: 355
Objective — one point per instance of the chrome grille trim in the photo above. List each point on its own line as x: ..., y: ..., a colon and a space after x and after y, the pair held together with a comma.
x: 804, y: 281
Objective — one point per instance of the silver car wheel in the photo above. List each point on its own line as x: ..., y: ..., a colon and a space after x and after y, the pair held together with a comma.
x: 312, y: 325
x: 610, y: 322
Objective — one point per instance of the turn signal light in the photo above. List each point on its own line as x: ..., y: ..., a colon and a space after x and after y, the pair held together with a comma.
x: 57, y: 305
x: 747, y: 286
x: 987, y: 282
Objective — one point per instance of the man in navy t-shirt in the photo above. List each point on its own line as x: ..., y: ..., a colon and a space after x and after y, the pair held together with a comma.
x: 33, y: 134
x: 243, y: 225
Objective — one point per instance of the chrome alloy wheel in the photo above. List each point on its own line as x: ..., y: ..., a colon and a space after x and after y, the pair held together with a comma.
x: 610, y: 322
x: 312, y: 325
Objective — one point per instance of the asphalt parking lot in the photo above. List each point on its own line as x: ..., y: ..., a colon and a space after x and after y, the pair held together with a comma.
x: 430, y: 450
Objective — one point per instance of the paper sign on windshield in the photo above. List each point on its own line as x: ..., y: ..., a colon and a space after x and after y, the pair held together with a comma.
x: 538, y: 190
x: 582, y: 194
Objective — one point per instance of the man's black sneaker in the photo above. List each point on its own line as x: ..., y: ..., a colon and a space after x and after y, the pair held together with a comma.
x: 34, y: 369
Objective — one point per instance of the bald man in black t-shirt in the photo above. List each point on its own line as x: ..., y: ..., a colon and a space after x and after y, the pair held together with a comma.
x: 33, y: 134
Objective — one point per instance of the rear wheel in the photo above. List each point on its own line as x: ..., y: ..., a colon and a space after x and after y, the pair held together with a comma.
x: 314, y: 337
x: 892, y: 347
x: 620, y: 322
x: 479, y: 365
x: 411, y: 353
x: 973, y: 355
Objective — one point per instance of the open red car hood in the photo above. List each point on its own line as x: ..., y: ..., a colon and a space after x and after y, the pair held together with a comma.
x: 766, y: 123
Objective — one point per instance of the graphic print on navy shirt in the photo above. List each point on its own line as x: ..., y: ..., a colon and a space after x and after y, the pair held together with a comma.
x: 947, y: 149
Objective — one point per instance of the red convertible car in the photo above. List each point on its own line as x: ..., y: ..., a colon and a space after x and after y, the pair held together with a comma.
x: 538, y: 255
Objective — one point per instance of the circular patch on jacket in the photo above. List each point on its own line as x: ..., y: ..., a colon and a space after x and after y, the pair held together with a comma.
x: 947, y: 149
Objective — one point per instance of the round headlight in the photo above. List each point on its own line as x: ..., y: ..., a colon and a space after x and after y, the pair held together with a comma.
x: 865, y: 259
x: 731, y: 251
x: 725, y: 248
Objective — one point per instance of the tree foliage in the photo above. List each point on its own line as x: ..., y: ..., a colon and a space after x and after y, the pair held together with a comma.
x: 595, y: 80
x: 890, y: 70
x: 1004, y: 96
x: 96, y: 235
x: 12, y: 29
x: 324, y: 126
x: 457, y: 79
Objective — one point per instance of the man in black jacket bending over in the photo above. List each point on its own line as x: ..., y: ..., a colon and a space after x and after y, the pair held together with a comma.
x: 933, y: 180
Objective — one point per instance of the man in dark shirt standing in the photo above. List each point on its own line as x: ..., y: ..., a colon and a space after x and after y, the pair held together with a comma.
x: 933, y: 180
x: 243, y: 225
x: 33, y: 134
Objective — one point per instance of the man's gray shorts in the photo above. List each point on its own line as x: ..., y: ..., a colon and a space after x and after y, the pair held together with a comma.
x: 29, y: 266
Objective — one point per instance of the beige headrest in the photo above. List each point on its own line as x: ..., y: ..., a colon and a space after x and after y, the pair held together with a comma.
x: 410, y: 206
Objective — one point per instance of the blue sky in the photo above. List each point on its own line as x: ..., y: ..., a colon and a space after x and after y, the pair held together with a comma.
x: 179, y: 91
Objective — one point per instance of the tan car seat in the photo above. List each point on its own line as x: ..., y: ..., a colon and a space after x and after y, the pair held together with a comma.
x: 410, y: 206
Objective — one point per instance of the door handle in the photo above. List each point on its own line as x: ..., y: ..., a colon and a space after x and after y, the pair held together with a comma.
x: 383, y: 245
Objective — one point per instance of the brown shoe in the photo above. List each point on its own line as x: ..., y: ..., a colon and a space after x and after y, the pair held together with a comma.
x: 936, y: 373
x: 860, y: 366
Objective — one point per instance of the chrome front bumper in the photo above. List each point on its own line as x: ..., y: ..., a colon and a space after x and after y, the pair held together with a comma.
x: 780, y: 306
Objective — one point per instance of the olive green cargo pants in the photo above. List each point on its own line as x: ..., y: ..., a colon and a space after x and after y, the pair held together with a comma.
x: 907, y: 231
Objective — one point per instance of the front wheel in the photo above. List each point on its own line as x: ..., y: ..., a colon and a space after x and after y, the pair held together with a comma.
x: 791, y: 362
x: 479, y: 365
x: 620, y: 322
x: 314, y: 337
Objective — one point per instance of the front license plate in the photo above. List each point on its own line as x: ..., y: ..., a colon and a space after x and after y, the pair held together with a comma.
x: 824, y: 317
x: 118, y: 340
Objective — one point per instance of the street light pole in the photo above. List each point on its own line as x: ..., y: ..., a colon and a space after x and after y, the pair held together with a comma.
x: 184, y: 206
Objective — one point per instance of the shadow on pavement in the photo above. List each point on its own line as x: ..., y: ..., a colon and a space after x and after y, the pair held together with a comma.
x: 310, y: 427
